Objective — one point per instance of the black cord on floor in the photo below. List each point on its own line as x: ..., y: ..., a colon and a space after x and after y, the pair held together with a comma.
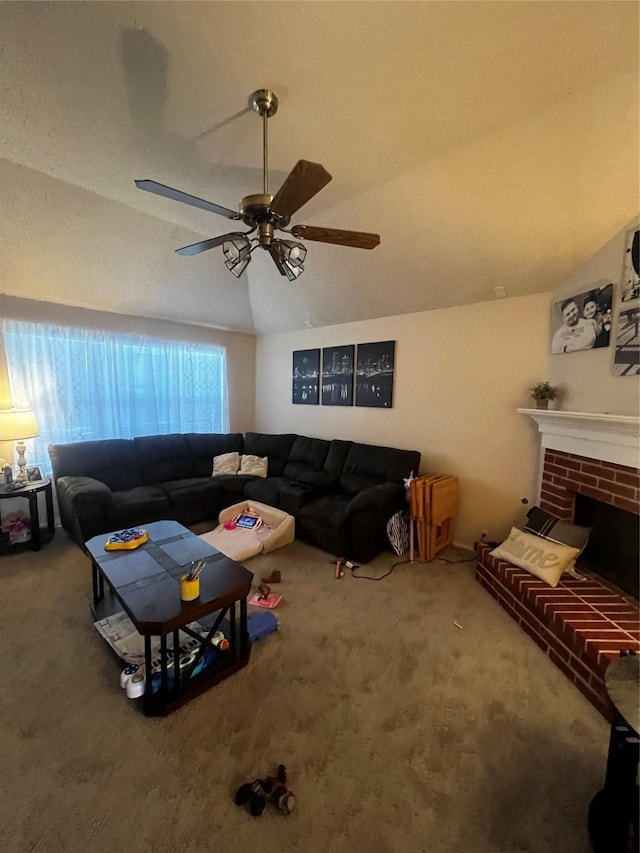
x: 385, y: 575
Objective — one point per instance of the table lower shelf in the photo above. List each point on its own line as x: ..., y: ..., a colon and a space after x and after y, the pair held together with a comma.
x: 162, y: 703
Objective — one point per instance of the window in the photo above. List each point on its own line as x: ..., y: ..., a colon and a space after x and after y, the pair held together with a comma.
x: 84, y: 384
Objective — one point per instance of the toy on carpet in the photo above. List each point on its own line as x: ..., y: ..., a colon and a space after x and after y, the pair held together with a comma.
x: 272, y: 790
x: 274, y: 577
x: 270, y: 601
x: 261, y: 625
x: 264, y: 589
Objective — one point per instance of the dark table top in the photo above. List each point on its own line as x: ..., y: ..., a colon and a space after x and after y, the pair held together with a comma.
x: 622, y: 681
x: 147, y: 579
x: 27, y: 486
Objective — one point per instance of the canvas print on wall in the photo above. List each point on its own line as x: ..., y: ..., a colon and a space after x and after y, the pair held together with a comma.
x: 627, y: 358
x: 582, y: 321
x: 337, y: 375
x: 374, y: 374
x: 306, y: 377
x: 630, y: 284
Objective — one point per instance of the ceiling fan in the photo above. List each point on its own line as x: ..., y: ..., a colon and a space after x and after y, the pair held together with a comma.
x: 267, y: 214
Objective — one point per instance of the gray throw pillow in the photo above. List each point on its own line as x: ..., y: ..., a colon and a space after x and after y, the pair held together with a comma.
x: 549, y: 526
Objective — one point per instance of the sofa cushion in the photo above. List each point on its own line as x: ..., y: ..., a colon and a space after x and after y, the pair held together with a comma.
x: 275, y: 447
x: 267, y: 491
x: 204, y: 446
x: 164, y: 457
x: 337, y: 453
x: 367, y: 465
x: 113, y: 461
x: 192, y: 490
x: 307, y: 455
x: 137, y: 506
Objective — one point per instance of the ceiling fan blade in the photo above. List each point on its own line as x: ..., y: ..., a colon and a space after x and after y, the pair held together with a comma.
x: 301, y: 184
x: 274, y: 251
x: 196, y: 248
x: 185, y: 198
x: 355, y: 239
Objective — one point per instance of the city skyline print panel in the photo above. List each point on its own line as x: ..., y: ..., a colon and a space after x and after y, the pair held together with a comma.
x: 305, y: 377
x: 337, y: 375
x: 374, y: 374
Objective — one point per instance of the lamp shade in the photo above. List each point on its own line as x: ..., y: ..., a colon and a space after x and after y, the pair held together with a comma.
x: 17, y: 424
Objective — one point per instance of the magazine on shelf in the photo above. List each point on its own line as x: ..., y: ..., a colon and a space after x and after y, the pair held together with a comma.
x: 119, y: 631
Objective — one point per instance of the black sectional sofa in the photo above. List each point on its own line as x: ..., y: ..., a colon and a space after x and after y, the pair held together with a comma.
x: 341, y: 493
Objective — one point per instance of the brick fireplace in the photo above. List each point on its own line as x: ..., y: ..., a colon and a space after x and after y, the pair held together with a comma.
x: 565, y: 474
x: 580, y: 625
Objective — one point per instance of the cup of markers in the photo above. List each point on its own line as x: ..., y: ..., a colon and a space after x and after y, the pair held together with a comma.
x: 190, y: 582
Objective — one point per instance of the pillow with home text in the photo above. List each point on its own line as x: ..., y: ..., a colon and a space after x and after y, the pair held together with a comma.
x: 545, y: 559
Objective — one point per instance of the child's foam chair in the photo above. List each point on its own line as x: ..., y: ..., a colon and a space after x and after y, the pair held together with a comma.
x: 277, y: 529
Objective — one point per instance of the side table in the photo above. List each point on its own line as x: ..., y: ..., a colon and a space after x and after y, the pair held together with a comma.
x: 30, y: 491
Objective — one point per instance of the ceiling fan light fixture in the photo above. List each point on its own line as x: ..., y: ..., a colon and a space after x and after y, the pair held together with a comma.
x: 238, y: 266
x: 292, y: 253
x: 236, y: 249
x: 292, y: 272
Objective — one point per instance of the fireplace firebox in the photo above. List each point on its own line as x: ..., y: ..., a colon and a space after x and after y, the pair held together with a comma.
x: 612, y: 551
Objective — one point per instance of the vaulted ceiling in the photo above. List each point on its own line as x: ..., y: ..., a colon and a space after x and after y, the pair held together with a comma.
x: 488, y: 143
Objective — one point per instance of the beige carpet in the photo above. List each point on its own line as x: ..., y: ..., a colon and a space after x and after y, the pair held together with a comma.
x: 400, y: 731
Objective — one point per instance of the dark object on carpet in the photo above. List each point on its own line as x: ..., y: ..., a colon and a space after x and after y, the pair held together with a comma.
x: 455, y: 554
x: 274, y: 577
x: 264, y: 589
x: 273, y: 790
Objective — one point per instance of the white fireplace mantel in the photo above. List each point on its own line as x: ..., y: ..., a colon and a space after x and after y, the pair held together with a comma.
x: 610, y: 438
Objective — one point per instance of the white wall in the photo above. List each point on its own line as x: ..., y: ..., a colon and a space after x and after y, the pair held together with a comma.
x: 460, y: 374
x: 586, y: 378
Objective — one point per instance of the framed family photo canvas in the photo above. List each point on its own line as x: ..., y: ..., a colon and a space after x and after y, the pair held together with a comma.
x: 630, y: 284
x: 582, y: 321
x: 627, y: 356
x: 337, y: 375
x: 374, y: 374
x: 305, y: 377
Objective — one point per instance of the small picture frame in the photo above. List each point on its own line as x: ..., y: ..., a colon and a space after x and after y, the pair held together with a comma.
x: 33, y: 474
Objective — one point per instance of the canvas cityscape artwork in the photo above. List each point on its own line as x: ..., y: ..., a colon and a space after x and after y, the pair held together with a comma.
x: 374, y: 374
x: 305, y: 377
x: 337, y: 375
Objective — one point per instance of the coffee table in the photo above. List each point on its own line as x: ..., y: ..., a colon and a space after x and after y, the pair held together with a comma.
x: 145, y: 583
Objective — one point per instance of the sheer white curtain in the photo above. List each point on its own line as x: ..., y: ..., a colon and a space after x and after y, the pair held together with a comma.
x: 84, y: 384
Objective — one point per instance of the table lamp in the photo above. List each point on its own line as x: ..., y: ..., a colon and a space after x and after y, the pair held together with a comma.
x: 16, y: 425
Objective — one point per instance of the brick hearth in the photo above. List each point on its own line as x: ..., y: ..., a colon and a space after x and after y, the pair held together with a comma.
x: 580, y: 625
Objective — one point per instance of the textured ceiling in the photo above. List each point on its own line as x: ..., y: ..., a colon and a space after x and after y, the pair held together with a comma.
x: 489, y: 143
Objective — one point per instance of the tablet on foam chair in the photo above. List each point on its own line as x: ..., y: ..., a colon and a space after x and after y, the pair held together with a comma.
x: 274, y: 529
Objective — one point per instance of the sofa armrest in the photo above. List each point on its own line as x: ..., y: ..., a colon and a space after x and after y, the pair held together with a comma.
x: 78, y: 490
x: 384, y: 499
x: 84, y: 505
